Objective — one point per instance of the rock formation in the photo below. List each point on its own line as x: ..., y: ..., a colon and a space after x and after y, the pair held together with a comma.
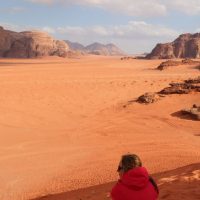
x: 190, y: 85
x: 193, y: 113
x: 185, y: 46
x: 30, y: 44
x: 127, y: 58
x: 186, y: 87
x: 169, y: 63
x: 148, y: 98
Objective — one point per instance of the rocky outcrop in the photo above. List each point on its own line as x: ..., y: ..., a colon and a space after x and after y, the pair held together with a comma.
x: 186, y: 87
x: 170, y: 63
x: 185, y: 46
x: 127, y: 58
x: 30, y: 44
x: 148, y: 98
x: 190, y: 62
x: 190, y: 85
x: 193, y: 113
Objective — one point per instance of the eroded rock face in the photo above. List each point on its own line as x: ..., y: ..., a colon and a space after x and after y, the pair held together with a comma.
x: 30, y: 44
x: 185, y: 46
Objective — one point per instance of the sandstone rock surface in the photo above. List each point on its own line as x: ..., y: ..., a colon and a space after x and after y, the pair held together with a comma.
x: 30, y: 44
x: 185, y: 46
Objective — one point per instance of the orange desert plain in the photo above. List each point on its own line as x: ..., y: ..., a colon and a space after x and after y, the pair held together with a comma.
x: 64, y: 126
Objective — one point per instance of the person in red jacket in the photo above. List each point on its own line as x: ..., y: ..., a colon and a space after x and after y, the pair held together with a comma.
x: 135, y: 182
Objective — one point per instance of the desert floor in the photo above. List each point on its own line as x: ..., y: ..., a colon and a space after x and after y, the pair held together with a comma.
x: 63, y: 124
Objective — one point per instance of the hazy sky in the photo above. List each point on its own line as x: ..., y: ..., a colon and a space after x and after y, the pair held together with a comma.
x: 134, y: 25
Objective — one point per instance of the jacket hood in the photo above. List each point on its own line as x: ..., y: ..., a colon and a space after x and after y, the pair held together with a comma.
x: 136, y: 178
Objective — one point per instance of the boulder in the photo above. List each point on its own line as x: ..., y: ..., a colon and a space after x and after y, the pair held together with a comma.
x: 148, y: 98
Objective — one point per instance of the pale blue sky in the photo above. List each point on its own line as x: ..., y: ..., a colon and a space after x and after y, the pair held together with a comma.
x: 134, y: 25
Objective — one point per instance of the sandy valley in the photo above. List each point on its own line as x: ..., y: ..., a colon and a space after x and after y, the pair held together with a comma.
x: 64, y: 126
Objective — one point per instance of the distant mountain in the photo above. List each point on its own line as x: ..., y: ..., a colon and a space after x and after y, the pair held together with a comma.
x: 75, y: 46
x: 96, y: 48
x: 101, y: 49
x: 30, y: 44
x: 185, y: 46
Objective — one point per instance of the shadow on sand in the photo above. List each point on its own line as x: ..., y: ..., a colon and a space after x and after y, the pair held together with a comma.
x: 183, y: 115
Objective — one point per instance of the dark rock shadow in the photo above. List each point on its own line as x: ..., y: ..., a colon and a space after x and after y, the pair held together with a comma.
x: 180, y: 114
x: 197, y: 67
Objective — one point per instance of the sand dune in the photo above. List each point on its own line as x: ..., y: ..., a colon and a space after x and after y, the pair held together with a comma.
x: 63, y: 125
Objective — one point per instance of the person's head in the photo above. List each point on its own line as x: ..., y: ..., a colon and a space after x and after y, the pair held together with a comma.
x: 127, y: 162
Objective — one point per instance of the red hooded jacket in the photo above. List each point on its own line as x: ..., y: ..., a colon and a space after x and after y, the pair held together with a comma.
x: 134, y: 185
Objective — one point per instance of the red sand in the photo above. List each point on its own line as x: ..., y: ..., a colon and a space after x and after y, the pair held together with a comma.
x: 182, y: 183
x: 63, y: 125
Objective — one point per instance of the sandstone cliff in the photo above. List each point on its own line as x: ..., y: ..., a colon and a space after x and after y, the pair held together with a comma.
x: 185, y: 46
x: 30, y: 44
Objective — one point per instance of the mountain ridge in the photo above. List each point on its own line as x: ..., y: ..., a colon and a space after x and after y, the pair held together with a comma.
x: 96, y: 48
